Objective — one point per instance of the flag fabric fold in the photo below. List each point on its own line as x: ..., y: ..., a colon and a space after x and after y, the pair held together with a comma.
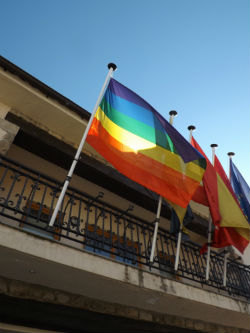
x: 207, y: 193
x: 130, y: 134
x: 231, y: 226
x: 200, y: 196
x: 175, y: 224
x: 241, y: 189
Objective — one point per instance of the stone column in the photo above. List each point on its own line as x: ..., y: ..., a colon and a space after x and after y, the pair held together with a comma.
x: 4, y: 109
x: 8, y: 132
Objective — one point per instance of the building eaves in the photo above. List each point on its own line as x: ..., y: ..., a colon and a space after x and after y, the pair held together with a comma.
x: 43, y: 88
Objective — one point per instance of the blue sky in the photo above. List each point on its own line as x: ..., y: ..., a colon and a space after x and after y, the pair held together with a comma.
x: 189, y: 55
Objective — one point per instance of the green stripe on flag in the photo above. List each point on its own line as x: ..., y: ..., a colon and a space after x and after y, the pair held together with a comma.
x: 138, y: 128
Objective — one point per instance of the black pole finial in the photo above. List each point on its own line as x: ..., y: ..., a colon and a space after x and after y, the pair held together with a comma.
x: 231, y: 154
x: 191, y: 128
x: 113, y: 66
x: 173, y: 113
x: 213, y: 145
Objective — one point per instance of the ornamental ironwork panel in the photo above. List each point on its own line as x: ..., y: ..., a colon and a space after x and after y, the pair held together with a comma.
x: 28, y: 199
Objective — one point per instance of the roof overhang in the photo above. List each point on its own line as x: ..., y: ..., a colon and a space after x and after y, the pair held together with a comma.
x: 40, y: 105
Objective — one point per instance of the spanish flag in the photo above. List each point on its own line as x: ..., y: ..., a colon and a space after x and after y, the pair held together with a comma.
x: 142, y: 145
x: 231, y: 226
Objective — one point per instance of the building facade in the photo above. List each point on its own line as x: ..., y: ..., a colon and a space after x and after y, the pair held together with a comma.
x: 91, y: 271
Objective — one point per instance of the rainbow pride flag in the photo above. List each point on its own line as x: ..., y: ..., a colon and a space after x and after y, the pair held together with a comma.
x: 142, y: 145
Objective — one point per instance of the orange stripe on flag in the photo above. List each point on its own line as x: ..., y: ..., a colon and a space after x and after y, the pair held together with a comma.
x: 200, y: 196
x: 160, y: 178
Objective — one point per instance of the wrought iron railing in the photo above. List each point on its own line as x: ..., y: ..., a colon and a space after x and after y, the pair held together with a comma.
x: 27, y: 201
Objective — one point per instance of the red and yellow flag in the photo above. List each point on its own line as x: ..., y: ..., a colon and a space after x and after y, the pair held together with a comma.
x: 231, y: 226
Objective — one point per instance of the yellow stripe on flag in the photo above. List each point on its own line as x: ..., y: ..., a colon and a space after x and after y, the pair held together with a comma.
x: 231, y: 214
x: 149, y: 149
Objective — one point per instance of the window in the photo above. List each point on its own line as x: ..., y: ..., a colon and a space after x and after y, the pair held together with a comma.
x: 166, y: 263
x: 98, y: 241
x: 38, y: 217
x: 109, y: 245
x: 126, y: 251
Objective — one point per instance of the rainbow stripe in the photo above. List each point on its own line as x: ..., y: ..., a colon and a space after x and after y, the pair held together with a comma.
x: 143, y: 146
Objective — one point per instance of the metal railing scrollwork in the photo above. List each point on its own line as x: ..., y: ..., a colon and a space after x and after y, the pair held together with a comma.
x: 28, y: 199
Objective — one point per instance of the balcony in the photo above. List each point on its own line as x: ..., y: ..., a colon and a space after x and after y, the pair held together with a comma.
x: 27, y: 201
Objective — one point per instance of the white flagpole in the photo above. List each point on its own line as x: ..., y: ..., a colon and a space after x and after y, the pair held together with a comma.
x: 225, y: 270
x: 230, y: 155
x: 191, y: 128
x: 158, y: 214
x: 177, y: 256
x: 209, y: 236
x: 112, y: 67
x: 213, y: 146
x: 172, y: 114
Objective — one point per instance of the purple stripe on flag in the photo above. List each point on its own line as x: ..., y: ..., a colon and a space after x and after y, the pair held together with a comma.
x: 185, y: 150
x: 120, y: 90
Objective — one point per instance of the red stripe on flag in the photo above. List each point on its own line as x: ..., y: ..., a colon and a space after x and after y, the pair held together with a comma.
x: 211, y: 188
x: 200, y: 196
x: 229, y: 236
x: 140, y: 168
